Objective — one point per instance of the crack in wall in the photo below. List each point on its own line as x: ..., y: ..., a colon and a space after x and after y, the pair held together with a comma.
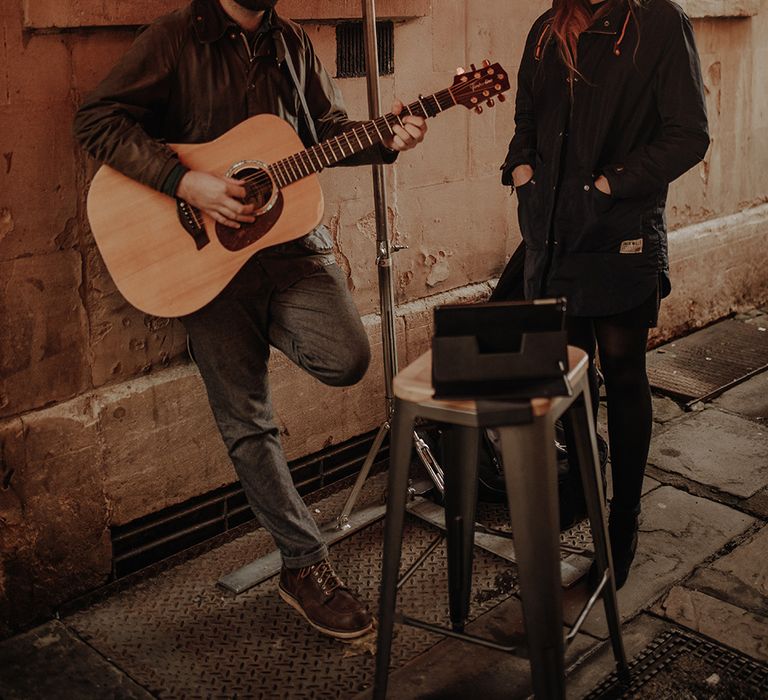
x: 7, y: 64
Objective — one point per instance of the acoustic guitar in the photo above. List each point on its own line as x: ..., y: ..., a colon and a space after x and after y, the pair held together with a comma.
x: 168, y: 258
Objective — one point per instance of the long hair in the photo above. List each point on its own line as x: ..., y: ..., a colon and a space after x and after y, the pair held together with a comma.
x: 570, y: 18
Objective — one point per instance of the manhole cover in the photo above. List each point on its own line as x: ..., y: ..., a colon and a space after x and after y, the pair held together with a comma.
x: 679, y: 666
x: 704, y: 364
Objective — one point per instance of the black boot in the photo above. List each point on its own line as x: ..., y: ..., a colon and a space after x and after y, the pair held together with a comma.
x: 622, y: 529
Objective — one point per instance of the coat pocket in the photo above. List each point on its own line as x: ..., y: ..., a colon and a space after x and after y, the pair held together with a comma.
x: 600, y: 201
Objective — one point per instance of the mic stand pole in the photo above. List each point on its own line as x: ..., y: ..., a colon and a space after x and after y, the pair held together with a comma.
x: 386, y: 290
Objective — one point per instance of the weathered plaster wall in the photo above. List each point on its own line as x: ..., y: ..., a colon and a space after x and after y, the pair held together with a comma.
x: 102, y: 419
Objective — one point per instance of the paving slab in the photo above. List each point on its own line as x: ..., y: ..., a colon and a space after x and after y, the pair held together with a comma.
x: 665, y: 409
x: 51, y: 662
x: 715, y: 448
x: 748, y: 563
x: 718, y: 620
x: 759, y: 318
x: 740, y: 577
x: 720, y: 585
x: 677, y: 532
x: 749, y: 399
x: 454, y: 670
x: 758, y: 504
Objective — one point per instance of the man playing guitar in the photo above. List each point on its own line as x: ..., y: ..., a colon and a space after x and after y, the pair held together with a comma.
x: 190, y: 77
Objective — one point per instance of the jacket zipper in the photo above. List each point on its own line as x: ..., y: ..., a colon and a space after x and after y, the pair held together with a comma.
x: 247, y: 47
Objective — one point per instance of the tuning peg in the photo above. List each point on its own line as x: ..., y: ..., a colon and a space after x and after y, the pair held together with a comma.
x: 472, y: 66
x: 460, y: 70
x: 491, y: 102
x: 502, y: 98
x: 486, y: 63
x: 479, y: 109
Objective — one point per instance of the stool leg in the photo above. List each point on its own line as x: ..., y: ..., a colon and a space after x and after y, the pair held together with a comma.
x: 399, y: 465
x: 580, y: 424
x: 530, y: 471
x: 460, y: 505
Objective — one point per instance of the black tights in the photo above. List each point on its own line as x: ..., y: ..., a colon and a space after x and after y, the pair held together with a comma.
x: 622, y: 362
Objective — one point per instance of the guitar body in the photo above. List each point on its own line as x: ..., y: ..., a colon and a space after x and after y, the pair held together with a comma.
x: 156, y: 264
x: 167, y: 258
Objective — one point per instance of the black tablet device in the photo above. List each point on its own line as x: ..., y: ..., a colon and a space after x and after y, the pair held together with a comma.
x: 505, y: 350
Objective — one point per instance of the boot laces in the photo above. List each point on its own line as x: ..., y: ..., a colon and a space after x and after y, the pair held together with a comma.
x: 324, y: 576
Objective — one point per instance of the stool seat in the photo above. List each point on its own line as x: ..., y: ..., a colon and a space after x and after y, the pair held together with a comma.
x: 414, y: 384
x: 526, y: 431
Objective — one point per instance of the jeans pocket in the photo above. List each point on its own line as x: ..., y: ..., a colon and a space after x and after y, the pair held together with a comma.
x: 318, y: 240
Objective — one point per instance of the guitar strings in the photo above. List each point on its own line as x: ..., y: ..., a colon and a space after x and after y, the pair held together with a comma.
x: 262, y: 178
x: 254, y: 183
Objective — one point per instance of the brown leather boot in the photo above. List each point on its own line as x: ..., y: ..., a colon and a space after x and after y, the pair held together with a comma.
x: 326, y: 603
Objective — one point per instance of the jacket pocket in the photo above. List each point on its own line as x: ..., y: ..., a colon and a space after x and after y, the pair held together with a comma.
x: 600, y: 201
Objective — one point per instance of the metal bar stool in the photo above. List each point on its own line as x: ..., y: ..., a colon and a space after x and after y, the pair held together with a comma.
x: 527, y: 430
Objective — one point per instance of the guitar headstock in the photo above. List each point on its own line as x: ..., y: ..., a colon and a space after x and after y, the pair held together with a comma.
x: 479, y: 86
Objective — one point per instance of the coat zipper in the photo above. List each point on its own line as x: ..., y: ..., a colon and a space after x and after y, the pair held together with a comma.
x: 247, y: 47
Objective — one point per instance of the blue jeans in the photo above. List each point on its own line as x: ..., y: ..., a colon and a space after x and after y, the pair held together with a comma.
x: 295, y: 298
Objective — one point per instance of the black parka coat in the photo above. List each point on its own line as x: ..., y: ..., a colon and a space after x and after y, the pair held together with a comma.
x: 636, y: 115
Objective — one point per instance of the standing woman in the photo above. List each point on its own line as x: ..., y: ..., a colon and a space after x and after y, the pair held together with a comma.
x: 610, y: 110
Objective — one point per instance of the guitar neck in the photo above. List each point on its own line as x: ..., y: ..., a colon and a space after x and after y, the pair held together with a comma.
x: 363, y: 135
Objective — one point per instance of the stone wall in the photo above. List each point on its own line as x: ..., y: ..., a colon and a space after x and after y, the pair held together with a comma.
x: 103, y: 420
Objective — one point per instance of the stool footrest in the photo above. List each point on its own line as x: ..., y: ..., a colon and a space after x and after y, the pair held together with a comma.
x: 587, y: 608
x: 446, y: 632
x: 422, y: 558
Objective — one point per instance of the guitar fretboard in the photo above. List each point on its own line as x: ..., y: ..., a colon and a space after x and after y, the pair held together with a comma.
x: 357, y: 139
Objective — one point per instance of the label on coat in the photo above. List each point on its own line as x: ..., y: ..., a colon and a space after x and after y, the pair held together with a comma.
x: 633, y: 246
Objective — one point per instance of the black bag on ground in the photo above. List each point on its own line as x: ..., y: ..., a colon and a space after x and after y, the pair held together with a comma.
x: 570, y: 493
x: 491, y: 485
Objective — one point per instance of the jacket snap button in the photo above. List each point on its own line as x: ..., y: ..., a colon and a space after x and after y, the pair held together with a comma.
x: 606, y: 23
x: 586, y: 188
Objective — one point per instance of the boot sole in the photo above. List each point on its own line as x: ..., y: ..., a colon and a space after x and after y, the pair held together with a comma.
x: 336, y: 634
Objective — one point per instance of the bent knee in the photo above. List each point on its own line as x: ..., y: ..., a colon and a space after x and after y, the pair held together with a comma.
x: 352, y: 366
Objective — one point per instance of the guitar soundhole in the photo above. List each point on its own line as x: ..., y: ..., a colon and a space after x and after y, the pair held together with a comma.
x: 268, y: 203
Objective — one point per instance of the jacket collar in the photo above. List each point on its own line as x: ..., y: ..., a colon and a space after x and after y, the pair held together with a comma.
x: 211, y: 22
x: 612, y: 22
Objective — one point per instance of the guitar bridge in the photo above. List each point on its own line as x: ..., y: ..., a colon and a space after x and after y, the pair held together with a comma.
x: 192, y: 221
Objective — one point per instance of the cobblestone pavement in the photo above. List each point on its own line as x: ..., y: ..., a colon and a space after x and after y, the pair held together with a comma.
x: 702, y: 566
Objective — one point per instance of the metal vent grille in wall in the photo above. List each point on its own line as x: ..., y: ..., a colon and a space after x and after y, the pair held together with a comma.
x: 350, y: 49
x: 159, y: 536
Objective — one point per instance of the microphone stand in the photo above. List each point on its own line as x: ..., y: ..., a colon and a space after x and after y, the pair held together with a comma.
x: 384, y: 250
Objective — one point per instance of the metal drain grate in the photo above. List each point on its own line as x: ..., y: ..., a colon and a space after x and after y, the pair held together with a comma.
x: 678, y: 665
x: 350, y: 49
x: 179, y: 637
x: 704, y: 364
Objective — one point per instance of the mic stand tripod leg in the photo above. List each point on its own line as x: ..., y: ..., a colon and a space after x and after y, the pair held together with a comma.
x: 342, y: 522
x: 422, y: 450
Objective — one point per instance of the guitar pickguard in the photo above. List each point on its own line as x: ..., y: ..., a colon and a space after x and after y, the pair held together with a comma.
x: 235, y: 239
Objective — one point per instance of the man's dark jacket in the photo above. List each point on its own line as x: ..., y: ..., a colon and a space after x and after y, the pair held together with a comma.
x: 193, y: 75
x: 638, y: 117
